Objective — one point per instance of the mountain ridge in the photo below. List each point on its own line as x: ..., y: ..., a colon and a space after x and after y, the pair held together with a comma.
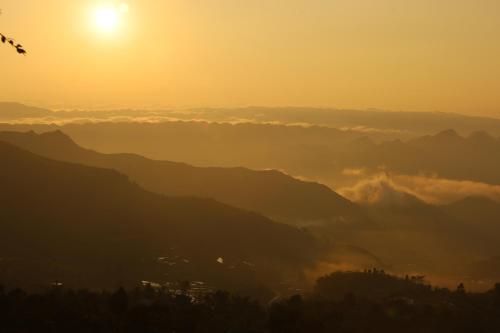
x: 269, y: 192
x: 84, y: 221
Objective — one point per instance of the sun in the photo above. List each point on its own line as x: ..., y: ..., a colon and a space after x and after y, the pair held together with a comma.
x: 107, y: 17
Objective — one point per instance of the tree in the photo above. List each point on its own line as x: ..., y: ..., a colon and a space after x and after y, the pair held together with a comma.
x: 497, y: 294
x: 461, y: 289
x: 7, y: 40
x: 118, y: 302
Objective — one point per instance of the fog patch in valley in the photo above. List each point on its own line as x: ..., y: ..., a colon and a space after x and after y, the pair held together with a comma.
x: 386, y: 187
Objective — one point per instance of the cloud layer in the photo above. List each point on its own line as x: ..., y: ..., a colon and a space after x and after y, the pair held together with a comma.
x: 384, y: 187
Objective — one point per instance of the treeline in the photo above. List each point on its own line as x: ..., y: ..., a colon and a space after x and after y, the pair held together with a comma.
x: 370, y: 301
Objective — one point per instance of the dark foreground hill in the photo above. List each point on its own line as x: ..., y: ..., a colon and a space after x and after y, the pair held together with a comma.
x: 92, y: 227
x: 271, y: 193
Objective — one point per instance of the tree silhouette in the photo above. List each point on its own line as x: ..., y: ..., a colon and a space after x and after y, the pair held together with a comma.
x: 497, y: 294
x: 118, y: 301
x: 405, y: 306
x: 461, y: 289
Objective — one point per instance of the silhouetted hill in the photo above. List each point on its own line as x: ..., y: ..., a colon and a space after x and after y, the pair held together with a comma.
x: 315, y: 153
x: 474, y: 207
x: 271, y: 193
x: 270, y: 138
x: 480, y: 212
x: 482, y: 137
x: 415, y: 236
x: 318, y: 154
x: 445, y: 154
x: 404, y: 232
x: 375, y: 285
x: 299, y: 151
x: 92, y: 227
x: 17, y: 111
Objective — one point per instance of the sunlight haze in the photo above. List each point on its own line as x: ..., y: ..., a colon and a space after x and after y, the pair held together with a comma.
x: 258, y: 166
x: 406, y: 55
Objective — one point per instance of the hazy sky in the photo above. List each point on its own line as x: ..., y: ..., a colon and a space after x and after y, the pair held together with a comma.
x: 389, y: 54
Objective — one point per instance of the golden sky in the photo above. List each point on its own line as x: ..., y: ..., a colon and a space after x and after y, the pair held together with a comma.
x: 415, y: 55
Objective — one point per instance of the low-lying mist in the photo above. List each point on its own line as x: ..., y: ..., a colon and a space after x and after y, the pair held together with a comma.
x: 394, y: 189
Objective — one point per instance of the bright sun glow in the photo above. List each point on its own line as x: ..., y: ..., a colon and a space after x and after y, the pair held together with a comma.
x: 107, y: 17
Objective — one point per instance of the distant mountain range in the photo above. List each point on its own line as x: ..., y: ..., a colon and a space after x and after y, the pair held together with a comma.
x: 329, y: 215
x: 446, y: 154
x: 470, y: 152
x: 271, y: 193
x: 401, y: 231
x: 92, y: 227
x: 374, y: 122
x: 17, y: 111
x: 405, y: 124
x: 315, y: 154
